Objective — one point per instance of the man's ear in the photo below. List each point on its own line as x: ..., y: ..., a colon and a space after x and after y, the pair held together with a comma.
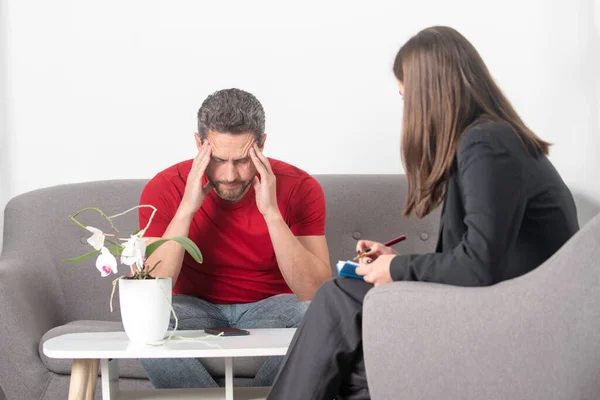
x: 198, y: 140
x: 262, y: 145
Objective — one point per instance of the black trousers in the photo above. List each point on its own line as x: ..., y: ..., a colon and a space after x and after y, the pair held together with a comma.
x: 325, y: 358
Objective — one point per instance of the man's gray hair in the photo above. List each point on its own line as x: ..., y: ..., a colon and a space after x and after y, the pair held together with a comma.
x: 231, y: 111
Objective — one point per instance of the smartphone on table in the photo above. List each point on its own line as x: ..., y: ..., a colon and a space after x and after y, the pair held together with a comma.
x: 227, y: 331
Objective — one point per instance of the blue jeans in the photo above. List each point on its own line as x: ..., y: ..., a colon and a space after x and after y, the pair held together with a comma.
x: 280, y: 311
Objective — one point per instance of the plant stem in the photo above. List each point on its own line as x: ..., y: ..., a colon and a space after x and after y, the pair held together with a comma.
x: 113, y: 243
x: 93, y: 209
x: 135, y: 208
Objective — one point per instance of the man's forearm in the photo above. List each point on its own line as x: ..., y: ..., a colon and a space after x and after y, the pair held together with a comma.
x: 170, y: 254
x: 302, y: 270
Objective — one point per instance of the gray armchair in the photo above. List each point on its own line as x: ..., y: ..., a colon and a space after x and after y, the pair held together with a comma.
x: 536, y: 337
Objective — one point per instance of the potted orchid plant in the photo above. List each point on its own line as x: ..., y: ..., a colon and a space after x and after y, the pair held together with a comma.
x: 139, y: 287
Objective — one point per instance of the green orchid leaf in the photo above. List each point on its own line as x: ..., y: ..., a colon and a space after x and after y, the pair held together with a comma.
x: 187, y: 244
x: 83, y: 257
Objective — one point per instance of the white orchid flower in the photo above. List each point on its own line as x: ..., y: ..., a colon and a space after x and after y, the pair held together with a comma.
x: 106, y: 262
x: 97, y: 238
x: 134, y: 252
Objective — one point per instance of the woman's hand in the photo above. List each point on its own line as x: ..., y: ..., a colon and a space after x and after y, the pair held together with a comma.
x: 376, y: 272
x: 373, y: 249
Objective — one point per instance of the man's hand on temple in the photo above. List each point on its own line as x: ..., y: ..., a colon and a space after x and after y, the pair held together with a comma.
x: 195, y: 193
x: 266, y: 195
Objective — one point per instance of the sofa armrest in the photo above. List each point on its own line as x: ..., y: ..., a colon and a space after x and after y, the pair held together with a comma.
x: 30, y: 304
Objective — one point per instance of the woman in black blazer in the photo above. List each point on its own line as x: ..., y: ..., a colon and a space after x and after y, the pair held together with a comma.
x: 505, y: 209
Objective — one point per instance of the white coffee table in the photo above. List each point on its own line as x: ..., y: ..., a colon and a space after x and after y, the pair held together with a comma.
x: 87, y: 350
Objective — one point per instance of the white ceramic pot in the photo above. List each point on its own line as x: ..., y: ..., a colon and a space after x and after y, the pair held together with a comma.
x: 145, y: 308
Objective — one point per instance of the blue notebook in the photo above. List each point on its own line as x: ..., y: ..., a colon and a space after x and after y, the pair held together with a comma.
x: 347, y: 269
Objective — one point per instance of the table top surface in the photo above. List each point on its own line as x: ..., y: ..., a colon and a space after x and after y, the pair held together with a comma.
x: 197, y: 344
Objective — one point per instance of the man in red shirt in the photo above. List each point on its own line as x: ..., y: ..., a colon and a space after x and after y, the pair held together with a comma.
x: 259, y: 223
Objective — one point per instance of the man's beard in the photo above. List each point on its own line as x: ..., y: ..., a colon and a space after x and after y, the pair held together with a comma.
x: 232, y: 194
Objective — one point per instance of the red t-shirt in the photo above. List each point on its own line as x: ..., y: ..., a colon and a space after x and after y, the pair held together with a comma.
x: 239, y: 264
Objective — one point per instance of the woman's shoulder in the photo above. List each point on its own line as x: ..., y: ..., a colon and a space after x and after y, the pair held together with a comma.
x: 493, y: 140
x: 487, y: 133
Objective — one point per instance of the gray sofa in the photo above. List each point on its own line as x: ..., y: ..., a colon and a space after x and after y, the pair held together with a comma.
x: 535, y: 337
x: 42, y: 297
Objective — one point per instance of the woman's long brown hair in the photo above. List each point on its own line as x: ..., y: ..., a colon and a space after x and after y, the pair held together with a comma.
x: 447, y: 89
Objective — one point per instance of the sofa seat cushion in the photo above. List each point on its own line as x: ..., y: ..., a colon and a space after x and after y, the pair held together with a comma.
x: 243, y: 367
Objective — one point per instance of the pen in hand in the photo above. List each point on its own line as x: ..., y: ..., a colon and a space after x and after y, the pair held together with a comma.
x: 387, y: 244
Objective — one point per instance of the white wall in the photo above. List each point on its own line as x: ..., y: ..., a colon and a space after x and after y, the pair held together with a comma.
x: 102, y: 90
x: 4, y: 165
x: 5, y: 172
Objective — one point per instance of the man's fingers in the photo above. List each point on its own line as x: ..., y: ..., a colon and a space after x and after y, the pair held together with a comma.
x: 262, y: 170
x: 197, y: 159
x: 202, y: 149
x: 203, y: 157
x: 202, y: 160
x: 262, y: 158
x: 206, y: 151
x: 205, y: 160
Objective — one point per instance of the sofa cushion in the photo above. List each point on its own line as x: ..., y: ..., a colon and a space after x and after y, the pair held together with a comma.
x: 245, y: 367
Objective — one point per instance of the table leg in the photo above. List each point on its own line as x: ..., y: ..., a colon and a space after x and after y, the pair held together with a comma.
x: 228, y: 378
x: 84, y: 374
x: 110, y: 379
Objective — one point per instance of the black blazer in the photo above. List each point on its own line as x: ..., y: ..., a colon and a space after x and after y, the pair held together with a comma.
x: 504, y: 214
